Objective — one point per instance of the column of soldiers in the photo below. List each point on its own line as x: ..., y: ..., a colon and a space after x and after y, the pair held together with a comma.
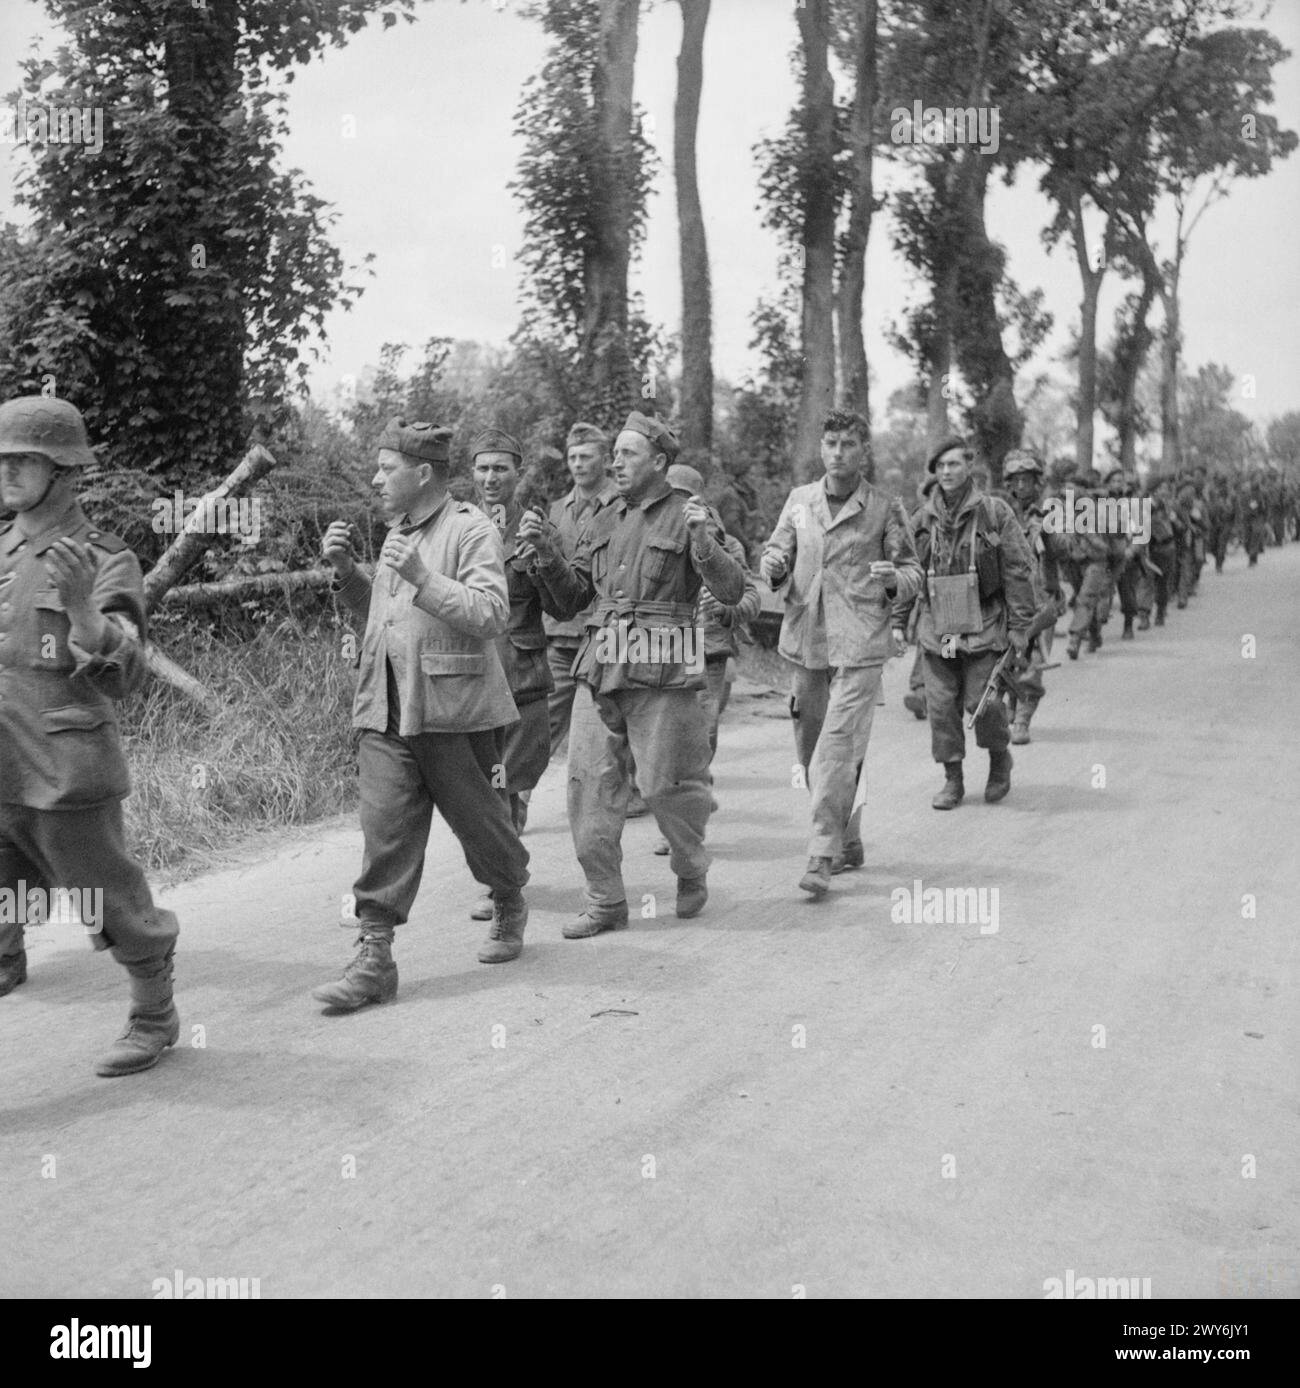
x: 492, y: 631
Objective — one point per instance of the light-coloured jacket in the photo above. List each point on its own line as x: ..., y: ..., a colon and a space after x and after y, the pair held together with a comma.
x: 439, y: 639
x: 836, y: 614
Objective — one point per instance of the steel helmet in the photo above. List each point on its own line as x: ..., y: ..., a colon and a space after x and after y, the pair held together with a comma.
x: 47, y: 425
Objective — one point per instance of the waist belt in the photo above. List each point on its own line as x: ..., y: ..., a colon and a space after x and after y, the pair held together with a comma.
x: 609, y: 610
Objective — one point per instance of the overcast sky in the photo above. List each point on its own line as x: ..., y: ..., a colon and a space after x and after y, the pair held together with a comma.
x: 422, y: 184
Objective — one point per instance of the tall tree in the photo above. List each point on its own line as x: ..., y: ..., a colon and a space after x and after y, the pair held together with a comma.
x: 583, y: 180
x: 851, y: 291
x: 818, y: 203
x: 697, y: 293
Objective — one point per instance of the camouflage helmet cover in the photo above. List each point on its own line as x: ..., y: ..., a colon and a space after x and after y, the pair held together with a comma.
x: 1020, y: 460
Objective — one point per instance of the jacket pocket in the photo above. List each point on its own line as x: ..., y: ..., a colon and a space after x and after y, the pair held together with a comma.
x: 988, y: 564
x: 452, y: 662
x: 74, y: 718
x: 661, y: 556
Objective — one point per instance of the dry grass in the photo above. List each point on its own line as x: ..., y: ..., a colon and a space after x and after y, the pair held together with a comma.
x: 279, y: 753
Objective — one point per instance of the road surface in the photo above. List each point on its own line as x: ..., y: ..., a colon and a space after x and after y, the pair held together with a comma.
x: 779, y: 1098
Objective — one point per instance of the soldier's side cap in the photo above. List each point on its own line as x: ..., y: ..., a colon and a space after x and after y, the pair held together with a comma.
x: 656, y: 431
x: 426, y: 443
x: 952, y: 441
x: 684, y: 478
x: 495, y: 441
x: 1020, y: 460
x: 583, y: 432
x: 47, y: 425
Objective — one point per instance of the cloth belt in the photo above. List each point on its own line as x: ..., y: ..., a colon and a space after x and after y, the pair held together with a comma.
x: 609, y: 610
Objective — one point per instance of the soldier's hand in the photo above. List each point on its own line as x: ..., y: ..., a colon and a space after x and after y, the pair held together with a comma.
x: 884, y: 570
x: 900, y: 642
x: 538, y: 532
x: 402, y: 554
x: 773, y: 568
x: 72, y: 572
x: 1019, y: 644
x: 711, y: 610
x: 696, y: 516
x: 336, y: 546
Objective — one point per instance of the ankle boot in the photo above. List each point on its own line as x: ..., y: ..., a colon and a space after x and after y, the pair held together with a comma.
x: 370, y: 977
x: 505, y: 940
x: 1127, y: 633
x: 950, y: 795
x: 999, y: 782
x: 152, y: 1025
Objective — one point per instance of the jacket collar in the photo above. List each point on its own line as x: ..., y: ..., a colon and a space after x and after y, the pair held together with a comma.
x: 410, y: 523
x: 857, y: 501
x: 607, y: 493
x: 937, y: 506
x: 67, y: 522
x: 659, y: 489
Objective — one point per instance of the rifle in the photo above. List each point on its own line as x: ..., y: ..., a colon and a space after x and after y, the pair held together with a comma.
x: 991, y: 688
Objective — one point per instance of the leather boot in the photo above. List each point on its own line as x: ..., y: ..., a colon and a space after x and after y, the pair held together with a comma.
x: 915, y: 703
x: 505, y: 940
x: 692, y: 893
x: 1127, y: 633
x: 152, y: 1025
x: 1072, y: 646
x: 950, y: 794
x: 663, y: 848
x: 999, y: 782
x: 1144, y: 621
x: 370, y: 977
x: 595, y: 919
x: 13, y: 971
x: 1020, y: 728
x: 1094, y: 639
x: 482, y: 908
x: 816, y: 881
x: 1160, y: 617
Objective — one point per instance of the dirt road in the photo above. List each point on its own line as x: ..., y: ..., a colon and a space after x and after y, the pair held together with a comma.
x: 778, y: 1095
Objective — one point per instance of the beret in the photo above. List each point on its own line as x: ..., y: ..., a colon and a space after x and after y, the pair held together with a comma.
x: 952, y: 441
x: 495, y: 441
x: 656, y: 431
x: 427, y: 443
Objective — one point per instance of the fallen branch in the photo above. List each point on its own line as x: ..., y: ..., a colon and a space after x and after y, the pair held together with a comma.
x: 191, y: 544
x: 241, y: 589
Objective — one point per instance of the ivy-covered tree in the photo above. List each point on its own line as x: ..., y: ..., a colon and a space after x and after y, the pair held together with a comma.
x: 168, y: 282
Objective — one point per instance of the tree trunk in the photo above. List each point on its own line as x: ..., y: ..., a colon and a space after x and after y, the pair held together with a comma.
x: 200, y: 60
x: 1171, y: 451
x: 997, y: 422
x: 854, y: 389
x: 1091, y: 278
x: 817, y: 393
x: 1129, y: 357
x: 697, y: 294
x: 605, y: 270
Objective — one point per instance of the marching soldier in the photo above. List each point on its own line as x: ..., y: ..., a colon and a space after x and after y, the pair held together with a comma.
x: 1022, y: 474
x: 431, y: 694
x: 1097, y: 557
x: 592, y: 491
x: 1164, y: 545
x: 843, y: 552
x: 978, y: 597
x: 720, y: 623
x: 644, y: 559
x: 69, y: 598
x: 525, y: 746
